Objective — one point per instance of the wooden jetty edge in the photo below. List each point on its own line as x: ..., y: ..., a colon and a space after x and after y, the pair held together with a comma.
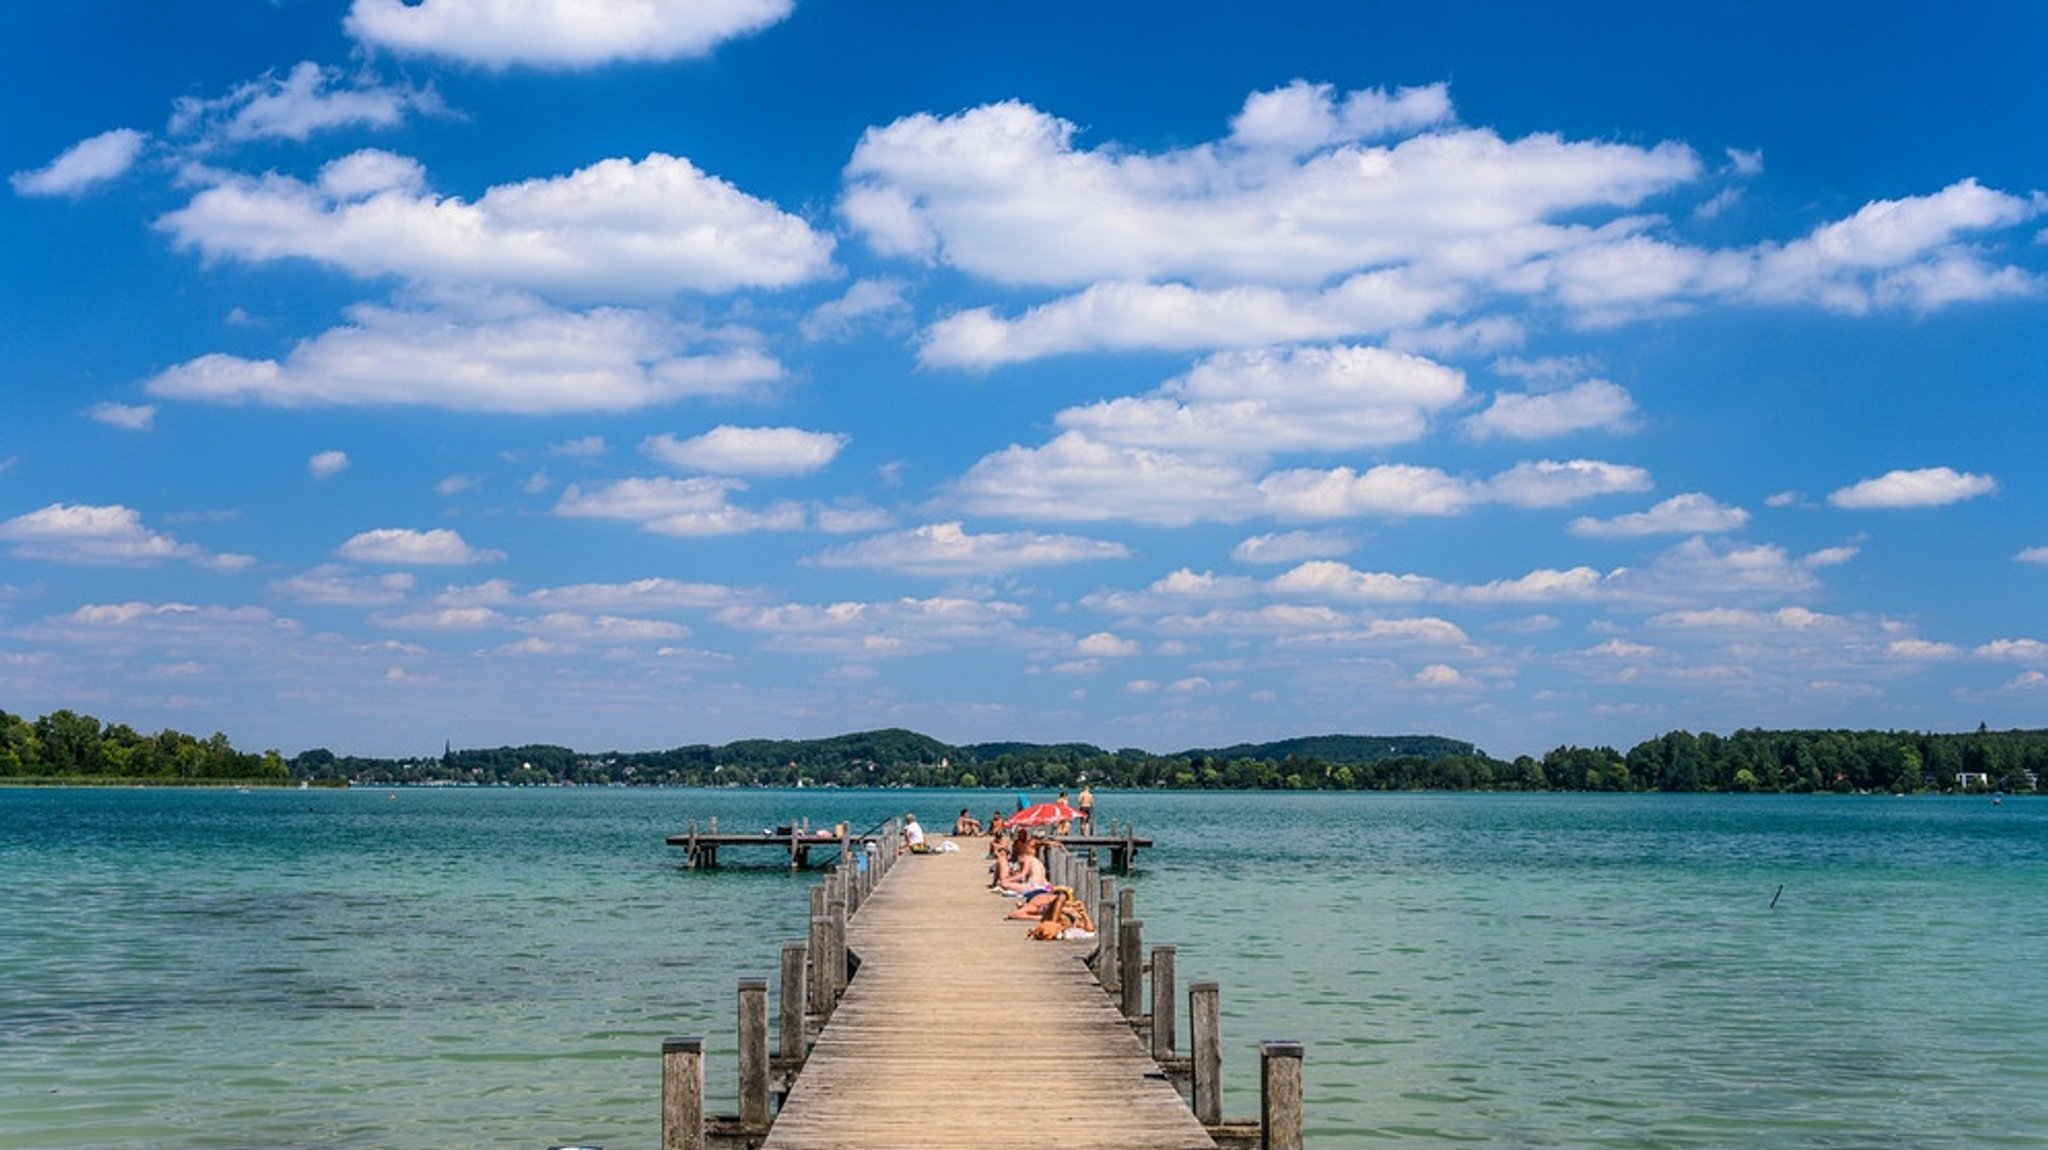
x: 799, y: 840
x: 915, y: 1016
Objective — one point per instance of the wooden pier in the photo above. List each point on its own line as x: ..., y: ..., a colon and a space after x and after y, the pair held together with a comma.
x: 799, y: 841
x: 915, y: 1016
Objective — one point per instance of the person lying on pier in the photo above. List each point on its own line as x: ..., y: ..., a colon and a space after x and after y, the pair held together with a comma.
x: 1062, y: 916
x: 966, y: 826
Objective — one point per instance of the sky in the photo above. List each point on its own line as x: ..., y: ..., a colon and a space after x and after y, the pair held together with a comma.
x: 626, y: 374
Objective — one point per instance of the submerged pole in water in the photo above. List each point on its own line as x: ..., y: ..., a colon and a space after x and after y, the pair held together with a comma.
x: 1774, y: 898
x: 1280, y: 1095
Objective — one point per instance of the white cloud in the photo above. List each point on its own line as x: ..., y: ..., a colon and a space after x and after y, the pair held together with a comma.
x: 1589, y: 406
x: 588, y: 447
x: 692, y: 507
x: 948, y: 549
x: 1921, y: 650
x: 1549, y: 483
x: 1298, y: 227
x: 515, y: 357
x: 1545, y: 585
x: 438, y: 547
x: 2018, y: 650
x: 335, y: 586
x: 103, y: 534
x: 867, y: 301
x: 559, y: 33
x: 1326, y: 579
x: 129, y: 417
x: 767, y: 451
x: 1133, y: 316
x: 1392, y: 490
x: 1702, y: 570
x: 1001, y: 192
x: 1075, y: 478
x: 1690, y: 514
x: 881, y: 629
x: 84, y: 166
x: 306, y: 100
x: 617, y: 229
x: 1253, y: 403
x: 1104, y: 645
x: 327, y: 463
x: 1926, y: 487
x: 654, y: 594
x: 2033, y: 555
x: 1294, y: 546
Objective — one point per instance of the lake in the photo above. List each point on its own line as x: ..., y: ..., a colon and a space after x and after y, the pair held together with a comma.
x: 440, y: 967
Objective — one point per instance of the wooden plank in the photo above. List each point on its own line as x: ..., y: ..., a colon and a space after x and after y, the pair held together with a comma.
x: 961, y: 1032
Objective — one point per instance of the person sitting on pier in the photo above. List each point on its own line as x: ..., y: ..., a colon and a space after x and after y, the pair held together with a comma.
x: 913, y: 836
x: 1027, y: 877
x: 967, y: 826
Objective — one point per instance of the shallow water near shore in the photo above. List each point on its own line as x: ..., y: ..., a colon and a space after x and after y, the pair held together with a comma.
x: 455, y: 968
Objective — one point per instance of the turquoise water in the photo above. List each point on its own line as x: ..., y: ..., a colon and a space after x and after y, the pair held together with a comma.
x: 454, y: 968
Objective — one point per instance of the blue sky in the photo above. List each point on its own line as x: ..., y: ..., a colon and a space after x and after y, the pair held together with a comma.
x: 630, y: 374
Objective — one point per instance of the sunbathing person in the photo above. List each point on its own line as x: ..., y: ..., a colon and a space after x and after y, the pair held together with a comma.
x: 1064, y: 916
x: 966, y: 826
x: 1028, y: 875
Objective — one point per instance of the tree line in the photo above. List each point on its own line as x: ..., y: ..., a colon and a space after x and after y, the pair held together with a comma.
x: 64, y: 745
x: 70, y: 746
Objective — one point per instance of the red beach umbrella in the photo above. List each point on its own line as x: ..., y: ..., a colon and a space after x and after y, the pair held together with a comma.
x: 1043, y: 814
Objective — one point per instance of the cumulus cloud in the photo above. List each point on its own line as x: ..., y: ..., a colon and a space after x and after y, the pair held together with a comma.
x: 294, y: 106
x: 439, y: 547
x: 1925, y: 487
x: 129, y: 417
x: 84, y: 166
x: 1304, y: 225
x: 1690, y: 514
x: 2033, y: 555
x: 1594, y: 405
x: 694, y: 506
x: 513, y: 357
x: 327, y: 463
x: 2017, y: 650
x: 103, y: 535
x: 1002, y: 192
x: 949, y: 549
x: 1273, y: 401
x: 1075, y: 478
x: 617, y: 229
x: 1323, y: 578
x: 559, y: 34
x: 767, y: 451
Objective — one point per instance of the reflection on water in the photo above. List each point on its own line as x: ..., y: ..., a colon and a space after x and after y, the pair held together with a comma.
x: 469, y: 968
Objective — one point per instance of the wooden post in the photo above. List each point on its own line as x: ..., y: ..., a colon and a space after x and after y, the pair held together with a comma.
x: 682, y: 1094
x: 1205, y: 1026
x: 754, y: 1053
x: 1162, y: 1003
x: 1130, y: 943
x: 1107, y: 971
x: 840, y: 975
x: 819, y: 989
x: 1280, y: 1096
x: 793, y: 997
x: 818, y: 899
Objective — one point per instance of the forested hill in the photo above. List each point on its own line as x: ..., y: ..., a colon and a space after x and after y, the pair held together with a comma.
x: 1345, y: 750
x: 64, y: 746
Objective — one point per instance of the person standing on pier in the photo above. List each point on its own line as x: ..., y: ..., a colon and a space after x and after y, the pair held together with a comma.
x: 1086, y: 805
